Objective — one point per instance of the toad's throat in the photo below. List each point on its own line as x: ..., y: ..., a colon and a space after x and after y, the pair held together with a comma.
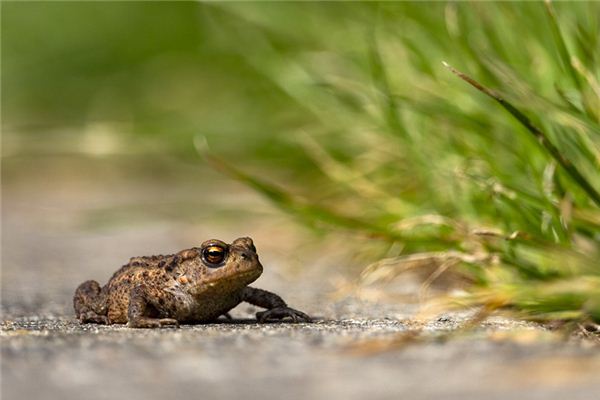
x: 233, y: 282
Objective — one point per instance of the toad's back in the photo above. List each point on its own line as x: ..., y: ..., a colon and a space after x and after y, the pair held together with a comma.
x: 140, y: 271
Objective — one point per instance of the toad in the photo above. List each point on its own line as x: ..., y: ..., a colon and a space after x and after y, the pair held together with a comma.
x: 196, y: 285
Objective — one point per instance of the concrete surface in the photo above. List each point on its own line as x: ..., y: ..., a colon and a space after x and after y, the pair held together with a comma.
x: 55, y: 234
x: 56, y: 358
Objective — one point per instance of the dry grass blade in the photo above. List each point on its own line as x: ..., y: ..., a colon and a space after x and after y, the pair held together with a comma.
x: 554, y: 152
x: 381, y: 345
x: 587, y: 74
x: 419, y: 335
x: 294, y: 205
x: 307, y: 212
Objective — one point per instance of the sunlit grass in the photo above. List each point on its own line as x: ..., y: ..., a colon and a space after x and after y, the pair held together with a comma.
x: 502, y: 185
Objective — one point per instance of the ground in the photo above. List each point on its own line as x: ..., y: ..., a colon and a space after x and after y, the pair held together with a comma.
x: 356, y: 349
x: 60, y: 359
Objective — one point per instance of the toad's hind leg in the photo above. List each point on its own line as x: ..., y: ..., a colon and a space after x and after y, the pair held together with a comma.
x: 90, y: 303
x: 141, y: 313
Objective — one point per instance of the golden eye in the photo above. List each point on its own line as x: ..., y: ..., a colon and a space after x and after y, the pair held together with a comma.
x: 213, y: 254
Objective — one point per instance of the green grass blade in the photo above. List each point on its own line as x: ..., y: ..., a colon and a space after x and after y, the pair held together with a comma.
x: 381, y: 82
x: 312, y: 213
x: 571, y: 64
x: 543, y: 139
x: 294, y: 205
x: 561, y: 45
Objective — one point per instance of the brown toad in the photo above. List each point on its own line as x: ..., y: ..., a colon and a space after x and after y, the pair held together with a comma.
x: 193, y: 286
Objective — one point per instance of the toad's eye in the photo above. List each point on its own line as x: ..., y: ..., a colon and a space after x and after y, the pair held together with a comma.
x: 214, y: 254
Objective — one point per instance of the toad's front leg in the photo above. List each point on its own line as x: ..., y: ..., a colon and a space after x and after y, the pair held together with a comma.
x: 277, y: 309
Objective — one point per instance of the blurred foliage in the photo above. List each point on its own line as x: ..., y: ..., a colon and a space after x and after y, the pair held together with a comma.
x: 349, y: 107
x: 98, y: 78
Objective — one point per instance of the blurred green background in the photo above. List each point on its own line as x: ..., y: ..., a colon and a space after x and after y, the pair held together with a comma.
x: 140, y: 78
x: 341, y: 114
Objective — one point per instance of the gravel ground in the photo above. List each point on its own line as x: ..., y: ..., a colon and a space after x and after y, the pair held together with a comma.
x: 355, y: 350
x: 56, y: 358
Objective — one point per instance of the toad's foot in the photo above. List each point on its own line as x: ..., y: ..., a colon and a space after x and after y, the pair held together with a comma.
x: 153, y: 322
x: 280, y: 313
x: 92, y: 317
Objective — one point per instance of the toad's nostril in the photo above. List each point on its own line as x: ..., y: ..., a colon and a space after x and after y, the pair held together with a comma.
x: 244, y: 255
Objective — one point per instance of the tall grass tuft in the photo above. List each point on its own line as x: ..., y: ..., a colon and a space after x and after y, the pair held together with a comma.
x: 501, y: 183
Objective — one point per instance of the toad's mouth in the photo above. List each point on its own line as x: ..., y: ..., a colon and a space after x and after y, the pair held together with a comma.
x: 244, y: 277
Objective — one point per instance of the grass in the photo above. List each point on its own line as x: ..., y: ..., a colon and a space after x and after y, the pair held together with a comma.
x: 410, y: 156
